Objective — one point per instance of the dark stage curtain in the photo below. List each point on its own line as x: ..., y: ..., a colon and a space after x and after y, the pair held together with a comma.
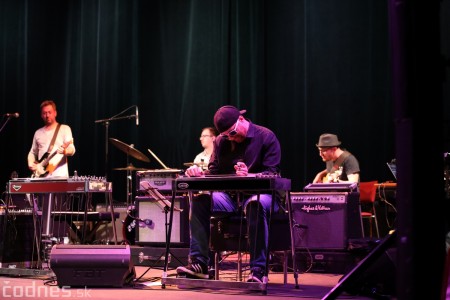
x: 300, y: 68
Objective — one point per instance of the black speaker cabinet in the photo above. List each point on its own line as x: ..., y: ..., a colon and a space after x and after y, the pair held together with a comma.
x: 325, y: 220
x: 17, y: 240
x: 334, y: 262
x: 151, y: 221
x: 92, y: 265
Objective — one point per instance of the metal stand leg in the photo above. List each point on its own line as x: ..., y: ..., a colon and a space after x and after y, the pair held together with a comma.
x: 113, y: 219
x: 239, y: 265
x: 216, y: 265
x: 291, y: 228
x: 46, y: 232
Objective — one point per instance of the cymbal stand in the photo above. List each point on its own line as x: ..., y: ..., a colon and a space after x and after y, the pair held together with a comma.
x: 129, y: 183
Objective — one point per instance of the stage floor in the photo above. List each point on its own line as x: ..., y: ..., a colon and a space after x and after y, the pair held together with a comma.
x: 147, y: 285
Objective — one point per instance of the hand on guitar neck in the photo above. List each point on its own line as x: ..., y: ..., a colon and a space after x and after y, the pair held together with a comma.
x: 48, y: 163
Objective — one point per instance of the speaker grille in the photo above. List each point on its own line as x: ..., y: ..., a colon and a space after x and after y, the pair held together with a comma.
x: 151, y: 223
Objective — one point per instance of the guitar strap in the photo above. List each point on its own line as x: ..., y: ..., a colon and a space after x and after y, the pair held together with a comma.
x: 339, y: 161
x: 52, y: 143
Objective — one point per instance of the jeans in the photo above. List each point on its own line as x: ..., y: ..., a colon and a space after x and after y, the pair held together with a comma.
x: 257, y: 214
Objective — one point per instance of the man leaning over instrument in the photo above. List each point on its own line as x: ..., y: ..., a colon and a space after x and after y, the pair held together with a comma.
x: 241, y: 147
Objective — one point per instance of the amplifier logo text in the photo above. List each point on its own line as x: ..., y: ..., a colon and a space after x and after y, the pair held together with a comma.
x: 315, y: 207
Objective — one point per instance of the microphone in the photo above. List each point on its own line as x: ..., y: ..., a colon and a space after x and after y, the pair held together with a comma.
x: 137, y: 116
x: 147, y: 222
x: 12, y: 115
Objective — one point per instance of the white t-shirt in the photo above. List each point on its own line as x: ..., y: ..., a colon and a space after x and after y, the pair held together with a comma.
x: 202, y: 160
x: 41, y: 142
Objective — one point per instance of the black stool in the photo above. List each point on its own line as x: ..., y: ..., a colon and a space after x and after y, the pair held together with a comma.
x: 229, y: 233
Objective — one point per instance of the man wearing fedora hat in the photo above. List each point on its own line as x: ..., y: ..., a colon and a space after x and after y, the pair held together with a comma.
x: 341, y: 165
x: 241, y: 148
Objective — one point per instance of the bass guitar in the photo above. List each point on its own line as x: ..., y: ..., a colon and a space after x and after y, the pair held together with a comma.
x: 44, y: 167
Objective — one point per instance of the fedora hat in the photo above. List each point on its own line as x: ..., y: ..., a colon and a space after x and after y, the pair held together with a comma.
x: 328, y: 140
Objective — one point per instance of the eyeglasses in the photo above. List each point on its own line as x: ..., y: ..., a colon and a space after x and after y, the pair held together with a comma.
x: 232, y: 132
x: 205, y: 135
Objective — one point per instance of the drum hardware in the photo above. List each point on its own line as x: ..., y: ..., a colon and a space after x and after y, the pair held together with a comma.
x: 118, y: 144
x: 130, y: 167
x: 130, y: 151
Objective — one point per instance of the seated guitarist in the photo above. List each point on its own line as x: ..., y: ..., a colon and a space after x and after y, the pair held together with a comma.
x: 51, y: 146
x: 341, y: 165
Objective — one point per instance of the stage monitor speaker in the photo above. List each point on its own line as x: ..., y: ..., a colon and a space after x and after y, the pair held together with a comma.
x: 325, y: 220
x: 151, y: 215
x: 92, y: 265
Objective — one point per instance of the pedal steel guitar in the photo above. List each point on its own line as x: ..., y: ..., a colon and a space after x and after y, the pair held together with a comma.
x: 256, y: 183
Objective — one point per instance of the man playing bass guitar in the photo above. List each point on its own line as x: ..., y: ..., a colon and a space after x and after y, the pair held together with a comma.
x: 51, y: 146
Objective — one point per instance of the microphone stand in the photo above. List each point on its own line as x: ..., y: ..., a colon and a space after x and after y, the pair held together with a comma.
x: 4, y: 124
x: 106, y: 123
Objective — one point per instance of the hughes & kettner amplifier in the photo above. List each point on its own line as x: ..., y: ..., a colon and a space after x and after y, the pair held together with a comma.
x: 160, y: 179
x: 325, y: 220
x: 331, y: 187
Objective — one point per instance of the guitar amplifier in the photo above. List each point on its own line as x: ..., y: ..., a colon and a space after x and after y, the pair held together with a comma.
x: 331, y: 187
x: 158, y: 179
x: 325, y: 220
x: 152, y: 218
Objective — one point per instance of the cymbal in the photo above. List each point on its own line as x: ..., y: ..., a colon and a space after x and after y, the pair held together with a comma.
x: 129, y: 150
x: 130, y: 168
